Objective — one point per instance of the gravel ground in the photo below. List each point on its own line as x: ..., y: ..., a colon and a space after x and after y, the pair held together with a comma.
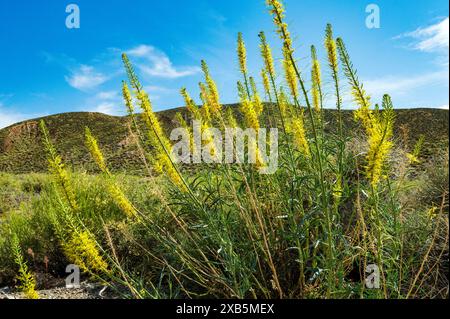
x: 86, y: 291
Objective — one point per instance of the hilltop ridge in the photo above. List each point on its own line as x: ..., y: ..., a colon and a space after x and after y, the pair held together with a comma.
x: 21, y: 149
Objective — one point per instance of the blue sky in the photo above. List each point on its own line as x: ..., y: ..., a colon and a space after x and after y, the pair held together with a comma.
x: 47, y: 68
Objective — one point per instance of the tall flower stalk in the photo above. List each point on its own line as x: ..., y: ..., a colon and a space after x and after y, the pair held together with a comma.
x: 277, y: 11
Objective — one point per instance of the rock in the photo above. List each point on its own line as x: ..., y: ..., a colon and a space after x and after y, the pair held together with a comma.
x: 6, y: 293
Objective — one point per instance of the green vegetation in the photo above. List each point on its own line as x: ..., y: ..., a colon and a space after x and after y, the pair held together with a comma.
x: 352, y: 190
x: 21, y: 145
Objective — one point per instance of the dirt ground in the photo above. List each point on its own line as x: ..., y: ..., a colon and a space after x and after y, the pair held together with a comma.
x: 86, y: 291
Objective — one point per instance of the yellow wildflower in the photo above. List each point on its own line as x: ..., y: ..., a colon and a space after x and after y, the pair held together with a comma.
x: 230, y: 119
x: 316, y: 81
x: 81, y: 250
x: 277, y: 11
x: 266, y: 82
x: 257, y: 104
x: 242, y: 54
x: 251, y: 118
x: 184, y: 124
x: 160, y: 143
x: 212, y: 92
x: 289, y: 72
x: 206, y: 108
x: 379, y: 128
x: 361, y: 98
x: 247, y: 108
x: 121, y: 200
x: 284, y: 106
x: 379, y: 125
x: 131, y: 74
x: 414, y: 156
x: 432, y: 212
x: 190, y: 104
x: 93, y: 148
x: 299, y: 134
x: 162, y: 148
x: 330, y: 46
x: 57, y: 168
x: 266, y: 53
x: 25, y: 277
x: 127, y: 97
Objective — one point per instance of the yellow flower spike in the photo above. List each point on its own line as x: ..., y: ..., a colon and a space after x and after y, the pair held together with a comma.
x: 259, y: 159
x: 284, y: 103
x: 289, y: 73
x: 212, y: 92
x: 257, y: 104
x: 337, y: 190
x: 299, y: 134
x: 247, y: 108
x: 92, y: 145
x: 316, y: 81
x: 266, y: 54
x: 162, y: 147
x: 379, y: 128
x: 250, y: 115
x: 121, y: 200
x: 27, y: 281
x: 150, y: 117
x: 28, y: 285
x: 412, y: 159
x: 184, y: 125
x: 266, y: 83
x: 82, y: 251
x: 432, y: 213
x: 158, y: 167
x: 277, y: 11
x: 206, y: 108
x: 190, y: 104
x: 378, y: 125
x: 57, y: 168
x: 230, y: 119
x: 127, y: 98
x: 360, y: 96
x: 242, y: 54
x: 330, y: 46
x: 115, y: 192
x: 131, y: 73
x: 414, y: 156
x: 179, y: 118
x: 206, y: 119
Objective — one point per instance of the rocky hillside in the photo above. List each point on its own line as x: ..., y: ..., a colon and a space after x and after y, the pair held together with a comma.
x: 21, y: 148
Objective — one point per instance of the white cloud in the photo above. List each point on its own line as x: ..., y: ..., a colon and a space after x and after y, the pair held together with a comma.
x: 432, y: 38
x: 107, y: 102
x: 402, y: 85
x: 106, y: 108
x: 161, y: 66
x: 85, y: 78
x: 8, y: 117
x: 160, y: 89
x: 107, y: 95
